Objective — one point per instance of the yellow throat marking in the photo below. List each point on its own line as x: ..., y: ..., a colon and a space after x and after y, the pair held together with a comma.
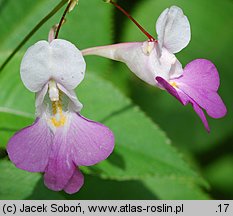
x: 174, y: 84
x: 58, y: 119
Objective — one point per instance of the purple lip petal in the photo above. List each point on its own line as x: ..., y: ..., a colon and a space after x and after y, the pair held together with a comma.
x: 184, y: 99
x: 200, y: 81
x: 201, y: 72
x: 91, y: 142
x: 170, y: 89
x: 83, y: 142
x: 60, y: 167
x: 201, y: 114
x: 29, y: 148
x: 75, y: 183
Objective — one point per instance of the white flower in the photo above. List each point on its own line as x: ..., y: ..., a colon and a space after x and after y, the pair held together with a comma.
x: 150, y: 59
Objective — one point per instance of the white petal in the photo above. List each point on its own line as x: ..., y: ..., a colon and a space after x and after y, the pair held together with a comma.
x: 39, y: 101
x: 176, y: 70
x: 169, y: 66
x: 75, y: 105
x: 134, y: 55
x: 173, y: 29
x: 59, y: 60
x: 110, y: 51
x: 142, y: 58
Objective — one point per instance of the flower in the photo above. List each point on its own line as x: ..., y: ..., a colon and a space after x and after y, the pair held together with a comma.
x: 198, y: 85
x: 153, y: 58
x: 60, y: 139
x: 154, y: 62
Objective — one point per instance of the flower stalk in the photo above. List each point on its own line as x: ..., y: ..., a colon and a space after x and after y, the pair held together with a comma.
x: 149, y: 36
x: 32, y: 32
x: 62, y: 20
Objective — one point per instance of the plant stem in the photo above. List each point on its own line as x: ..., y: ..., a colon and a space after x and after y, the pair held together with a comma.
x: 150, y: 37
x: 32, y: 32
x: 62, y: 19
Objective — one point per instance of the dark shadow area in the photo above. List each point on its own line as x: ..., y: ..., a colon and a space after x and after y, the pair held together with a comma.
x: 210, y: 157
x: 95, y: 169
x: 42, y: 193
x: 9, y: 129
x: 3, y: 153
x: 120, y: 18
x: 219, y: 151
x: 100, y: 189
x: 96, y: 188
x: 218, y: 194
x: 117, y: 160
x: 3, y: 3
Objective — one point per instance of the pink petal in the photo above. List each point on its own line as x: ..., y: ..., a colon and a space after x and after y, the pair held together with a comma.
x: 75, y: 183
x: 200, y: 81
x: 164, y: 84
x: 200, y: 113
x: 201, y: 73
x: 184, y: 99
x: 82, y: 142
x: 60, y: 167
x: 90, y: 141
x: 29, y: 148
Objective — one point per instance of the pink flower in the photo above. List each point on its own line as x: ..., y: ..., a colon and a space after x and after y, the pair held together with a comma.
x: 198, y: 85
x: 155, y: 63
x: 60, y: 140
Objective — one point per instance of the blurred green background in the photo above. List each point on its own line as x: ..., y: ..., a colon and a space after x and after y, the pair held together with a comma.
x: 162, y: 149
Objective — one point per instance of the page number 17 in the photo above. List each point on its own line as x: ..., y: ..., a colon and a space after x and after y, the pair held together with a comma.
x: 222, y: 207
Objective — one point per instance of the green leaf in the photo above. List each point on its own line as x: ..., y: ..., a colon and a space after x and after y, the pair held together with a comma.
x: 76, y: 29
x: 17, y: 184
x: 181, y: 123
x: 10, y: 122
x: 13, y: 96
x: 90, y: 24
x: 143, y: 156
x: 96, y: 188
x: 16, y: 27
x: 173, y: 188
x: 142, y: 149
x: 33, y: 31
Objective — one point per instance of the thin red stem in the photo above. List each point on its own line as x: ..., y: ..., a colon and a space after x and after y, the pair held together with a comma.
x: 150, y: 37
x: 62, y: 19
